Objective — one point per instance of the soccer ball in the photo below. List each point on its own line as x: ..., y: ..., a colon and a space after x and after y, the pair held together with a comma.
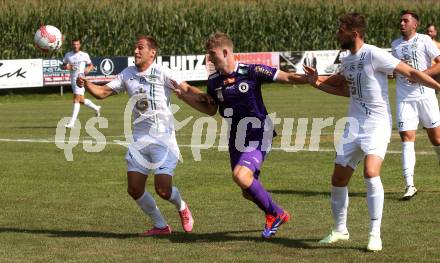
x: 48, y: 38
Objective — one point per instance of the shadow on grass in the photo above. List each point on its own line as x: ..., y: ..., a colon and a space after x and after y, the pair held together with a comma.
x: 388, y: 195
x: 182, y: 237
x: 68, y: 233
x: 232, y: 236
x: 311, y: 193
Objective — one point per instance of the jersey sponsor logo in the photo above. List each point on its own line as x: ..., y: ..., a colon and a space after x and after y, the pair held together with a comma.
x: 243, y: 87
x: 107, y: 66
x: 262, y: 70
x: 228, y: 81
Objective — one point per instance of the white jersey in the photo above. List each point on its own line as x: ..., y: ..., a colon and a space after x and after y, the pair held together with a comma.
x: 366, y: 73
x: 150, y: 91
x: 418, y: 52
x: 79, y: 61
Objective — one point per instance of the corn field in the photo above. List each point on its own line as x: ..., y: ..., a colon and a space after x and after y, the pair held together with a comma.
x: 181, y: 27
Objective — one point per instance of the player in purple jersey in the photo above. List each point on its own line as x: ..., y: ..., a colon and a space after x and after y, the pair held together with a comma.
x: 235, y: 91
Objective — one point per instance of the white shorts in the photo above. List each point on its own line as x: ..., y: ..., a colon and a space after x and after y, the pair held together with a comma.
x: 155, y: 158
x: 352, y: 153
x: 78, y: 90
x: 409, y: 113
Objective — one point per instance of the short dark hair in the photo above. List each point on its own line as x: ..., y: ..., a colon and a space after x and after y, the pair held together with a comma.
x: 354, y: 21
x: 219, y: 39
x: 430, y: 25
x: 409, y: 12
x: 76, y: 39
x: 152, y: 43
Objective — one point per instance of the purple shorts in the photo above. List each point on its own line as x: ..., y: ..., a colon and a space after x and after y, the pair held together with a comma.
x: 252, y: 160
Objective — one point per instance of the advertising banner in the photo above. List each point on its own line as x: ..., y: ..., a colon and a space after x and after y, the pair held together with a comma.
x: 104, y: 70
x: 21, y: 73
x: 188, y: 68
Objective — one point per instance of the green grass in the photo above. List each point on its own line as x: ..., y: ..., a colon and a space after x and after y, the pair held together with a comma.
x: 53, y: 210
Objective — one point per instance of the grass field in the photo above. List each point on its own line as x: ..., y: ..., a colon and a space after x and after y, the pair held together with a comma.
x: 53, y: 210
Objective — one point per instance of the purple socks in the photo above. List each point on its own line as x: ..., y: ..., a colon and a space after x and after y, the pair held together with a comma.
x: 263, y: 199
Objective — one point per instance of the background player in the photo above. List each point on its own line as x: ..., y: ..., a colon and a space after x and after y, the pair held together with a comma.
x: 363, y: 77
x: 414, y: 101
x: 155, y: 147
x: 79, y: 63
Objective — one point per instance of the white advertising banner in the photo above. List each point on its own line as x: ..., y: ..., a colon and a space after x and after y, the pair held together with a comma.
x: 188, y: 68
x: 21, y: 73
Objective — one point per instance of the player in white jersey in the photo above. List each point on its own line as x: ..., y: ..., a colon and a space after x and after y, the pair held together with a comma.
x: 414, y: 101
x: 363, y: 77
x: 79, y: 63
x: 154, y: 148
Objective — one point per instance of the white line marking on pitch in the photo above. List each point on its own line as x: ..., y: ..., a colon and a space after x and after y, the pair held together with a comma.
x: 187, y: 145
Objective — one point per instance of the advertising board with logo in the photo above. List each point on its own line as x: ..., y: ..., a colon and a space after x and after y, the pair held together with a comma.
x: 104, y: 70
x: 21, y: 73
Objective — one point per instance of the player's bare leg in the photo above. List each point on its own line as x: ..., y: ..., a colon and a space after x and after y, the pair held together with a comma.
x: 434, y: 137
x: 164, y: 188
x: 408, y: 162
x: 339, y: 203
x: 136, y: 189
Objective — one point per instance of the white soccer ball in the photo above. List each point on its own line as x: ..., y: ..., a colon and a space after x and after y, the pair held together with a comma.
x: 48, y: 38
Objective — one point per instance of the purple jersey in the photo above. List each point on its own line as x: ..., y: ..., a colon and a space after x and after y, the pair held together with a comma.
x: 241, y: 92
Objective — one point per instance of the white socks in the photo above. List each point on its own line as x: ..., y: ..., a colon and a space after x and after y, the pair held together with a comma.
x: 75, y: 112
x: 176, y: 199
x: 91, y: 105
x: 339, y: 202
x: 148, y: 205
x: 375, y: 199
x: 437, y: 150
x: 409, y: 161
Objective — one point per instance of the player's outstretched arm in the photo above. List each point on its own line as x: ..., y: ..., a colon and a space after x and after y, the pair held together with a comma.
x: 417, y: 76
x: 335, y: 84
x: 195, y: 98
x: 97, y: 91
x: 290, y: 78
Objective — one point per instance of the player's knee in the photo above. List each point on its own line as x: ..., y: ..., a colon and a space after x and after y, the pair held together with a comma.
x: 163, y: 192
x: 135, y: 192
x: 435, y: 141
x: 370, y: 172
x: 340, y: 181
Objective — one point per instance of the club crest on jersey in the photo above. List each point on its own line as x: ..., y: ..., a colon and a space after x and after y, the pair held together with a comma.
x: 360, y: 66
x: 352, y: 67
x: 243, y: 87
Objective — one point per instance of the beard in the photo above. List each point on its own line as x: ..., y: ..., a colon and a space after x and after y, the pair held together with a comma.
x: 348, y: 44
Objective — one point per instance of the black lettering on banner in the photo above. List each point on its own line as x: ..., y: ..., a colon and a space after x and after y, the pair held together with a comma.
x: 17, y: 73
